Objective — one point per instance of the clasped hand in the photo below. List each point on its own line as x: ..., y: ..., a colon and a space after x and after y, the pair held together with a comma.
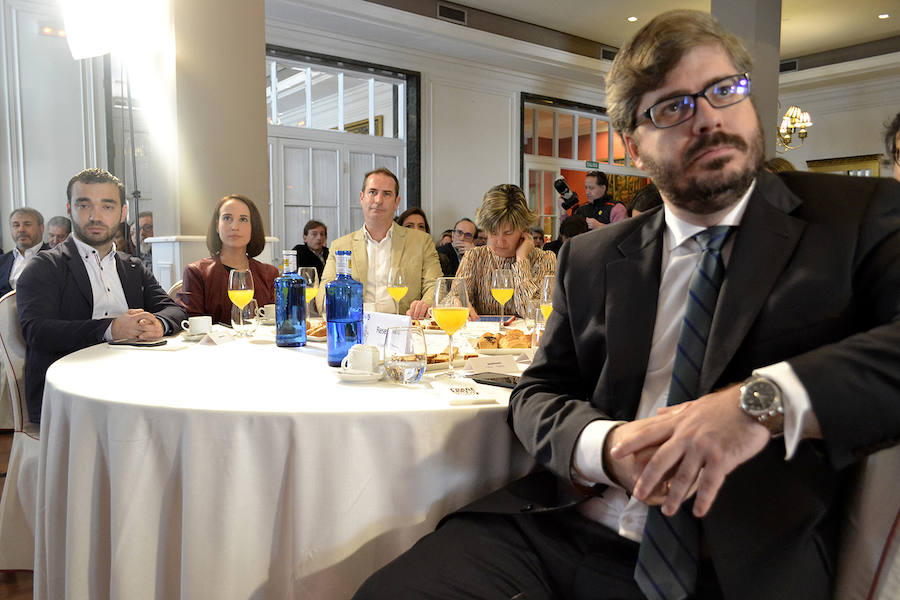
x: 137, y: 324
x: 685, y: 449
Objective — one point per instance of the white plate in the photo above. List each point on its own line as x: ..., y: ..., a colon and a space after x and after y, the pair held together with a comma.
x: 316, y: 338
x: 459, y: 362
x: 359, y: 376
x: 192, y: 338
x: 493, y: 351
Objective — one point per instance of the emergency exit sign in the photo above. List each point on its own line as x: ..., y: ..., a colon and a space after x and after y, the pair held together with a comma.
x: 590, y: 164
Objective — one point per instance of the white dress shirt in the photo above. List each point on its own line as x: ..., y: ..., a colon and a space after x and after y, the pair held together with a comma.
x: 109, y: 297
x: 379, y: 256
x: 680, y: 256
x: 19, y: 261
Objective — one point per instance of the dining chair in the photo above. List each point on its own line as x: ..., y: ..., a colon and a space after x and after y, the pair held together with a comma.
x: 18, y: 503
x: 869, y: 559
x: 176, y: 287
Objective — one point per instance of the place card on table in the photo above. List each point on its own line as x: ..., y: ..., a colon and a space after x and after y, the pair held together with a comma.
x: 501, y: 363
x: 376, y: 324
x: 461, y: 392
x: 217, y: 336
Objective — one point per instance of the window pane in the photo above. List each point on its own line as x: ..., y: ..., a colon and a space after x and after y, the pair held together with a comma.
x: 356, y: 104
x: 584, y: 138
x: 324, y: 100
x: 385, y: 103
x: 602, y: 141
x: 545, y: 133
x: 618, y: 150
x: 291, y: 97
x: 325, y: 172
x: 295, y: 217
x: 528, y: 131
x: 296, y: 176
x: 329, y: 216
x: 565, y: 129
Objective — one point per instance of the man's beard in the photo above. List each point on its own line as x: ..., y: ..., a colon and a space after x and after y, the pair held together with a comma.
x: 94, y: 241
x: 712, y: 193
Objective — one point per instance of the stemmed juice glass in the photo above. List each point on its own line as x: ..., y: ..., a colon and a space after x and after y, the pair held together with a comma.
x: 502, y: 289
x: 312, y: 285
x: 397, y: 286
x: 240, y: 292
x: 451, y: 309
x: 547, y: 295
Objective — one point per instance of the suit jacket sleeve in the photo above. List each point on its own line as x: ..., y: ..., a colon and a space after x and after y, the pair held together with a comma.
x: 157, y: 302
x: 41, y: 294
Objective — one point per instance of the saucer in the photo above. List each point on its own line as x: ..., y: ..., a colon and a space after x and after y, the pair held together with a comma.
x: 359, y: 376
x: 195, y: 337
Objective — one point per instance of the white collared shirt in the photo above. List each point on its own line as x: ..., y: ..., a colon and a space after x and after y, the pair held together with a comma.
x: 379, y: 257
x: 19, y: 261
x: 109, y: 296
x: 680, y: 256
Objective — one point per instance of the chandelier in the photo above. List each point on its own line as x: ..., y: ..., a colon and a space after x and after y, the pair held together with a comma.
x: 795, y: 120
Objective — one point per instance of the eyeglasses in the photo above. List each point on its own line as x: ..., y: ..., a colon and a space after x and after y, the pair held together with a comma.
x: 463, y: 234
x: 678, y: 109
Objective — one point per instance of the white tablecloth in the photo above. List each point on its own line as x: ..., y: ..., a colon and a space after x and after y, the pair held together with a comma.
x: 245, y: 471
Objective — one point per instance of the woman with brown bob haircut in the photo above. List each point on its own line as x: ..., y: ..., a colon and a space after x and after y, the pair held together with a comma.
x: 234, y: 237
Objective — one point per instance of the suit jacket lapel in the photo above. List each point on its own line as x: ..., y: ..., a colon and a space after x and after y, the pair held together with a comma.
x: 763, y: 244
x: 632, y: 291
x: 130, y: 278
x: 398, y: 244
x: 359, y: 259
x: 79, y: 272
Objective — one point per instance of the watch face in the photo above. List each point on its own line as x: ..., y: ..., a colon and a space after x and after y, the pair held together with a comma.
x: 758, y: 396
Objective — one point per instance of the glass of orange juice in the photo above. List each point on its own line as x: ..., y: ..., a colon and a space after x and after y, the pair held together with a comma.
x: 240, y: 292
x: 547, y: 295
x: 450, y: 309
x: 502, y: 289
x: 397, y: 286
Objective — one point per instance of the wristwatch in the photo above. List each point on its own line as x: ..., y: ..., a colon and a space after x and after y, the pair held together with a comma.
x: 761, y: 399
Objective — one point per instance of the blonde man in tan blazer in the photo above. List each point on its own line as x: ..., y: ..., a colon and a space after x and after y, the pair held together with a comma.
x: 380, y: 245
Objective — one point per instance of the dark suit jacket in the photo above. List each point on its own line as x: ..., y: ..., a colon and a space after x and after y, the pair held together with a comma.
x: 6, y: 263
x: 56, y: 303
x: 308, y: 258
x: 814, y: 279
x: 449, y: 260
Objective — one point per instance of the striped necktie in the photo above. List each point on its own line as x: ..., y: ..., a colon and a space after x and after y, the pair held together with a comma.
x: 669, y: 554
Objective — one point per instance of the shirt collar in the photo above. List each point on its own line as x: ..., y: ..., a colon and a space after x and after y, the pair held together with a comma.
x: 680, y: 230
x: 85, y: 251
x: 30, y: 252
x: 386, y: 238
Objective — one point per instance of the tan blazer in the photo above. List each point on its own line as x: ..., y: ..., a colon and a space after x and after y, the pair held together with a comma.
x: 412, y: 249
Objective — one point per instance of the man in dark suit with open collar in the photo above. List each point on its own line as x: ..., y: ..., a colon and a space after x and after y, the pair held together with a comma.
x: 27, y: 228
x: 82, y: 292
x: 804, y: 341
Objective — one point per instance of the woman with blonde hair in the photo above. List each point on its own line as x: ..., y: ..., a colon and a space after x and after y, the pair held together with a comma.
x: 234, y: 237
x: 505, y: 216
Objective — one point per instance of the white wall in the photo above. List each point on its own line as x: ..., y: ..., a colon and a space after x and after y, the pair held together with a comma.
x: 48, y: 125
x: 850, y: 104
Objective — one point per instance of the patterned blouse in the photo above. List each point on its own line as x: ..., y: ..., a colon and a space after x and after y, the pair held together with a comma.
x: 477, y: 266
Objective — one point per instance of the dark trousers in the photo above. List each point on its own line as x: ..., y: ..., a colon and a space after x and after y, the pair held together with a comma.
x: 523, y: 557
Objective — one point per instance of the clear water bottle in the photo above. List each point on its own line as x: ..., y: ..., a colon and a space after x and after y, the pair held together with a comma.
x: 343, y: 310
x: 290, y: 304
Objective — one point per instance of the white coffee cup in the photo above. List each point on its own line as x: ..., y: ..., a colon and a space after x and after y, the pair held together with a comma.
x: 361, y: 358
x: 197, y: 325
x: 266, y: 313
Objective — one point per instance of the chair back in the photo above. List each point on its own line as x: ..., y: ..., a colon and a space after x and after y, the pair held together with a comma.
x: 176, y: 287
x: 12, y: 356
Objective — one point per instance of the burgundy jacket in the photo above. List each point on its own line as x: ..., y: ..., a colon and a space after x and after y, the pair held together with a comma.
x: 205, y: 288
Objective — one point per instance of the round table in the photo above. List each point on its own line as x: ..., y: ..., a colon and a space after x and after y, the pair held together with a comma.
x: 244, y: 470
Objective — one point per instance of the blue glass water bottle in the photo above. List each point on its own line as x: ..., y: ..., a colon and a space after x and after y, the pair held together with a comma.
x: 290, y: 304
x: 343, y: 310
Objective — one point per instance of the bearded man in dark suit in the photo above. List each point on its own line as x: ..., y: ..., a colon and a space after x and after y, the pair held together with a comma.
x: 83, y: 292
x: 710, y: 375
